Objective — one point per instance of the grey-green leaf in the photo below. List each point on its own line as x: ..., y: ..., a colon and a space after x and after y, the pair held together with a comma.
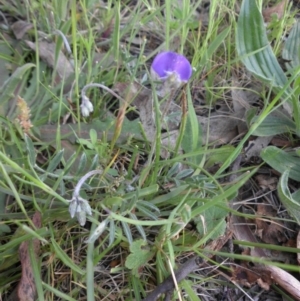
x: 30, y: 150
x: 292, y: 205
x: 291, y: 49
x: 55, y: 161
x: 274, y: 124
x: 253, y: 46
x: 282, y: 161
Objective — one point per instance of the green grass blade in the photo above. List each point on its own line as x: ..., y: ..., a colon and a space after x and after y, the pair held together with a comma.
x: 65, y: 258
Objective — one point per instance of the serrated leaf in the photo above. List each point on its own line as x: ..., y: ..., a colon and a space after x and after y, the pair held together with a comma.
x: 253, y: 46
x: 281, y: 161
x: 140, y: 255
x: 292, y: 205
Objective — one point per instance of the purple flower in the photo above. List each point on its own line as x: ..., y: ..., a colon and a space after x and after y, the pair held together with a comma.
x: 170, y: 63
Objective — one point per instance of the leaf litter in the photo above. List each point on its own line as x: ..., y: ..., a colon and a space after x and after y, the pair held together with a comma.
x: 221, y: 127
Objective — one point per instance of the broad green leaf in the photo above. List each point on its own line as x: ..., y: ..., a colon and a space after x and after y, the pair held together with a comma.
x: 212, y: 219
x: 282, y: 161
x: 273, y: 124
x: 140, y: 255
x: 219, y: 156
x: 292, y: 205
x: 253, y: 46
x: 291, y: 49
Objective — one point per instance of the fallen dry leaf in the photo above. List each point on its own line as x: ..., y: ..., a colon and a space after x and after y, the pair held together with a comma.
x: 249, y: 276
x: 26, y: 290
x: 255, y: 146
x: 268, y: 231
x: 266, y: 182
x: 20, y: 28
x: 277, y: 9
x: 143, y: 101
x: 63, y: 67
x: 241, y: 231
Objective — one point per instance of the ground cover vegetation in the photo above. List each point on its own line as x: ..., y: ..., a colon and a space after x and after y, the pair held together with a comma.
x: 121, y: 180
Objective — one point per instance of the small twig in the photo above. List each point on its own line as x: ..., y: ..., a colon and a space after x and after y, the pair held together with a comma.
x: 168, y: 285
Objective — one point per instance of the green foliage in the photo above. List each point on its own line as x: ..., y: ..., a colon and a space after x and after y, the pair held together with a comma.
x: 282, y: 161
x: 253, y: 46
x: 140, y: 201
x: 140, y: 254
x: 290, y: 201
x: 212, y: 222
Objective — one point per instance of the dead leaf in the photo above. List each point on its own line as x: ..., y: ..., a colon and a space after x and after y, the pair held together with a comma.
x: 281, y: 142
x: 277, y: 9
x: 254, y: 147
x: 266, y: 182
x: 20, y: 28
x: 221, y: 129
x: 143, y: 101
x: 288, y: 282
x: 46, y: 50
x: 268, y: 231
x: 26, y: 290
x: 250, y: 275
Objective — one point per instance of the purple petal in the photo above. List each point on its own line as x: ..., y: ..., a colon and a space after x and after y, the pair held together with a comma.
x: 169, y: 62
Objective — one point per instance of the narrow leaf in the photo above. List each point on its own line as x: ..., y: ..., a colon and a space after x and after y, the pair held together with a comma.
x: 65, y: 258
